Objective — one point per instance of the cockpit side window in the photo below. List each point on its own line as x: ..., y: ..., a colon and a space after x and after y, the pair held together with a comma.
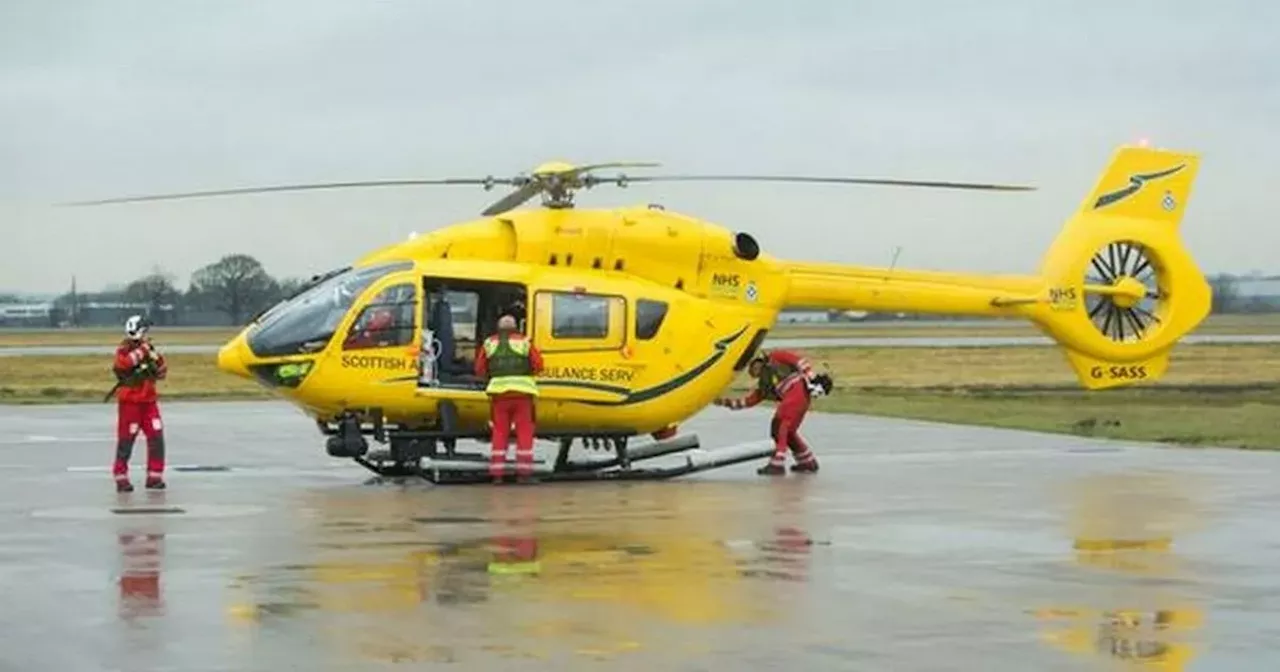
x: 307, y: 322
x: 387, y: 320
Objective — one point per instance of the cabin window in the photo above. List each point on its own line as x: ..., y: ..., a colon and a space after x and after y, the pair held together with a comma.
x: 579, y: 316
x: 387, y: 320
x: 579, y: 320
x: 649, y: 317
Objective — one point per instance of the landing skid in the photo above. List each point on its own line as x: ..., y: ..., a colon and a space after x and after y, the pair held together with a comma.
x: 473, y: 468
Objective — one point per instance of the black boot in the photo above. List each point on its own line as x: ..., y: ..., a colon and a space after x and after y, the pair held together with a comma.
x: 810, y: 467
x: 771, y: 469
x: 124, y: 486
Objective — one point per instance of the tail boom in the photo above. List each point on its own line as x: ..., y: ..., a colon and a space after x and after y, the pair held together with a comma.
x: 1117, y: 288
x: 837, y: 287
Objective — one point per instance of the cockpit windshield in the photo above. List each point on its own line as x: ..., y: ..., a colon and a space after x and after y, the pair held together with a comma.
x: 307, y: 322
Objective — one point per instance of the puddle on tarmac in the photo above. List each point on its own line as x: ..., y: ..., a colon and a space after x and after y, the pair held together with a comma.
x: 1124, y: 532
x: 530, y: 573
x: 484, y: 576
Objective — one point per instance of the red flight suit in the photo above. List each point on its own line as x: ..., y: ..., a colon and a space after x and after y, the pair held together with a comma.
x: 784, y: 377
x: 137, y: 409
x: 509, y: 407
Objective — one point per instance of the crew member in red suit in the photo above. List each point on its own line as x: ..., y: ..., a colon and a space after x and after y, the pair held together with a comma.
x: 509, y: 361
x: 787, y: 378
x: 376, y: 331
x: 137, y: 367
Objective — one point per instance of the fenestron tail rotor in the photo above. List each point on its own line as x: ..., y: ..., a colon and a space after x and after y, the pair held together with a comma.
x: 1122, y: 291
x: 557, y: 181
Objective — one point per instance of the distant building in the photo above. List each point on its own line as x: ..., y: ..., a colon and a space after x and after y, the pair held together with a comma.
x: 87, y: 314
x: 107, y: 313
x: 802, y: 316
x: 28, y: 315
x: 1259, y: 287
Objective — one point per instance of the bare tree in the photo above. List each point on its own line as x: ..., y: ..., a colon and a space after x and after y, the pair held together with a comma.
x: 287, y: 287
x: 156, y: 290
x: 236, y: 284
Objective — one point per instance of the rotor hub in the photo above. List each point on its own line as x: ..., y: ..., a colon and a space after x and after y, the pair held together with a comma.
x: 1129, y: 292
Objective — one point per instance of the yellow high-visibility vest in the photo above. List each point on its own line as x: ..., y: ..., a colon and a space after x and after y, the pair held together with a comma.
x: 509, y: 366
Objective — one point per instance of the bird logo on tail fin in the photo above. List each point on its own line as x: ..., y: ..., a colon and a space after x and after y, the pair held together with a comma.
x: 1136, y: 183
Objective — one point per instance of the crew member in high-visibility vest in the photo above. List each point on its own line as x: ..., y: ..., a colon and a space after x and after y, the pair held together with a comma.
x: 509, y: 360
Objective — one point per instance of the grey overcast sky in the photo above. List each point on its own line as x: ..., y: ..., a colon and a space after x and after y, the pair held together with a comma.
x: 107, y: 98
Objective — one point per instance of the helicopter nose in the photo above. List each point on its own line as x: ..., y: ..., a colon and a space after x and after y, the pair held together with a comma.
x: 231, y: 358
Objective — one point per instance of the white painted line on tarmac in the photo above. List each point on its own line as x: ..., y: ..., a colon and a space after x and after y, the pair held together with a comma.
x: 172, y: 467
x: 257, y: 468
x: 41, y: 438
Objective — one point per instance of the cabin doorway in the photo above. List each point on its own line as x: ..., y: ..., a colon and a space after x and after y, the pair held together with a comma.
x: 458, y: 314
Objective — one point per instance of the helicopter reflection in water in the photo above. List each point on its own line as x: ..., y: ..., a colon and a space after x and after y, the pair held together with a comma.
x: 1124, y: 526
x: 415, y: 575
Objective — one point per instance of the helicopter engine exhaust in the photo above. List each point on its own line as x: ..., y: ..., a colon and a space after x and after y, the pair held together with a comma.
x: 745, y: 246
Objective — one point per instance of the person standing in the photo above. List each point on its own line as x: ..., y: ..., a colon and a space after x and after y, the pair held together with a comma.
x: 509, y: 360
x: 138, y: 365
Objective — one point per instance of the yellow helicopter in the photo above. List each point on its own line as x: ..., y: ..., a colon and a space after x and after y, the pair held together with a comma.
x: 645, y: 315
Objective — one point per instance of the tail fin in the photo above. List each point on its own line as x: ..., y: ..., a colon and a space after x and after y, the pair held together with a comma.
x: 1122, y: 288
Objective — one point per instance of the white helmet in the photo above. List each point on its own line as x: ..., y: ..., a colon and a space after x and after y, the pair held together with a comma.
x: 136, y: 327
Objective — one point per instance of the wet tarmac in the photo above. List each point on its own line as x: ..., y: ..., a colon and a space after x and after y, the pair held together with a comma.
x: 833, y: 342
x: 918, y: 547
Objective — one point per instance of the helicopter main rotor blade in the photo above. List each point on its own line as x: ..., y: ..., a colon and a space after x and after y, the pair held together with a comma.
x: 514, y: 199
x: 295, y: 187
x: 826, y: 180
x: 616, y: 164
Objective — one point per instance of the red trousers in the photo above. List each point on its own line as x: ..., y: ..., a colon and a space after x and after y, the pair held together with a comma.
x: 505, y: 410
x: 785, y: 428
x: 132, y: 417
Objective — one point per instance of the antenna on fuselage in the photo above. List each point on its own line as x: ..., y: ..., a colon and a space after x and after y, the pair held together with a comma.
x: 897, y: 250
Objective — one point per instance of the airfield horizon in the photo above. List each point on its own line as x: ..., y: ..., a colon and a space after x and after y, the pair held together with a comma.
x: 1226, y: 325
